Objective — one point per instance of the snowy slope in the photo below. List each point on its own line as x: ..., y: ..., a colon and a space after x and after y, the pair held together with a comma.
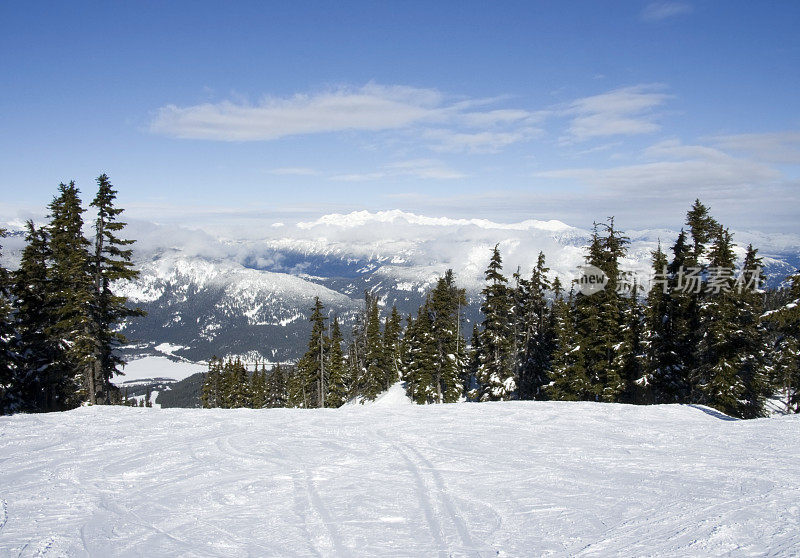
x: 505, y: 479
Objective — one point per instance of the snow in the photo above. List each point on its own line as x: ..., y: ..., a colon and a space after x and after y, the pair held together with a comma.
x: 158, y: 367
x: 489, y: 479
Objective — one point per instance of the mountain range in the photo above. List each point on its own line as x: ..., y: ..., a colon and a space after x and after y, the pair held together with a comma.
x: 248, y: 291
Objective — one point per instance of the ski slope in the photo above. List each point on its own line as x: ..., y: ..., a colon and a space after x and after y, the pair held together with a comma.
x: 491, y: 479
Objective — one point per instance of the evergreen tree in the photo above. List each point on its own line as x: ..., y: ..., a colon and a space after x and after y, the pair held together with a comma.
x: 338, y: 382
x: 717, y: 380
x: 658, y: 343
x: 211, y: 392
x: 276, y: 387
x: 630, y: 351
x: 599, y: 316
x: 72, y: 289
x: 444, y: 315
x: 420, y: 364
x: 496, y: 372
x: 258, y: 387
x: 392, y: 334
x: 110, y: 262
x: 537, y: 334
x: 568, y: 378
x: 750, y: 337
x: 373, y: 377
x: 311, y: 366
x: 44, y: 379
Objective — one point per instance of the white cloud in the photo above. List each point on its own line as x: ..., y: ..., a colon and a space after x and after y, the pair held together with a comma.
x: 777, y: 147
x: 625, y: 111
x: 658, y: 11
x: 372, y: 107
x: 472, y: 125
x: 427, y: 169
x: 674, y: 169
x: 449, y: 141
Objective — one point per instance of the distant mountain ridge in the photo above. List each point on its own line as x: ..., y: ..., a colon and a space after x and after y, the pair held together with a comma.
x: 248, y: 293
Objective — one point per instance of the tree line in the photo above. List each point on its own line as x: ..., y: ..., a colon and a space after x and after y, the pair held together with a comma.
x: 58, y: 313
x: 706, y: 332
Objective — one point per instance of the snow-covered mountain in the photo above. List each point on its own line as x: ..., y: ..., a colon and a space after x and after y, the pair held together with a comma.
x: 246, y: 289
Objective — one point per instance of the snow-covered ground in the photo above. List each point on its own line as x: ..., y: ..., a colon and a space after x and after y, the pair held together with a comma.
x: 491, y: 479
x: 151, y: 367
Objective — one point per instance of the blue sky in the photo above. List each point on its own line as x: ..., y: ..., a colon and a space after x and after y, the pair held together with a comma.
x: 514, y: 110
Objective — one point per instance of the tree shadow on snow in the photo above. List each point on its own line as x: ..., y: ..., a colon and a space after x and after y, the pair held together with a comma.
x: 713, y: 412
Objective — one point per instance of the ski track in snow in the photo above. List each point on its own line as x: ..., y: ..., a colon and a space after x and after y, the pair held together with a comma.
x: 472, y: 480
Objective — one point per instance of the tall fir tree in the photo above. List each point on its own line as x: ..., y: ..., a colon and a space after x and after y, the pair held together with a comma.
x: 599, y: 316
x: 72, y: 288
x: 496, y: 373
x: 392, y: 340
x: 444, y: 311
x: 657, y: 337
x: 420, y: 365
x: 373, y: 374
x: 44, y: 379
x: 110, y: 263
x: 338, y: 384
x: 311, y: 371
x: 717, y: 380
x: 568, y: 378
x: 537, y: 334
x: 277, y: 395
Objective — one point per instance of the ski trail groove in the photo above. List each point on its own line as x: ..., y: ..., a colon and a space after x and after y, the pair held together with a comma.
x: 423, y: 495
x: 444, y: 496
x: 322, y: 511
x: 3, y: 514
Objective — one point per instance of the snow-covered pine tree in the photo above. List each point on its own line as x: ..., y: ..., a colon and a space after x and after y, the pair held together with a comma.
x: 538, y: 334
x: 110, y: 262
x: 657, y: 382
x: 258, y: 387
x: 276, y: 387
x: 444, y: 309
x: 338, y: 383
x: 373, y: 377
x: 599, y: 316
x: 717, y: 380
x: 311, y: 371
x: 751, y: 338
x: 496, y: 372
x: 392, y: 335
x: 674, y: 384
x: 421, y: 352
x: 568, y: 379
x: 630, y: 357
x: 211, y: 392
x: 72, y: 288
x: 43, y: 379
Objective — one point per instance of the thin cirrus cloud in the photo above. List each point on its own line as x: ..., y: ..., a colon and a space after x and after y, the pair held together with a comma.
x: 372, y: 107
x: 672, y: 168
x: 470, y: 125
x: 426, y: 169
x: 624, y: 111
x: 659, y: 11
x: 776, y: 147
